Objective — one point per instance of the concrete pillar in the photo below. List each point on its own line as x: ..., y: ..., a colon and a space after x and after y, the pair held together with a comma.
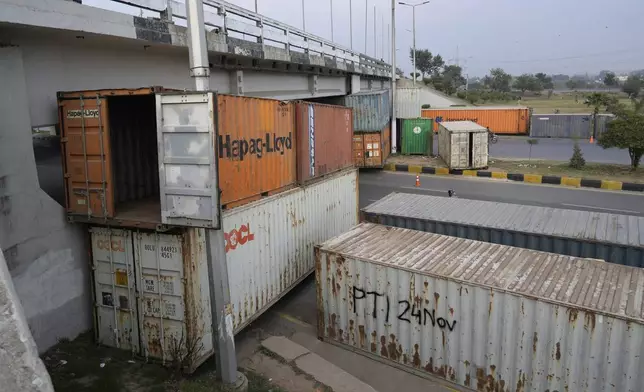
x: 370, y: 84
x: 237, y: 82
x: 313, y: 84
x: 355, y: 84
x: 21, y: 370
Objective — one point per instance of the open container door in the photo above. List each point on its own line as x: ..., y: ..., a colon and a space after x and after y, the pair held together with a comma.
x: 188, y: 178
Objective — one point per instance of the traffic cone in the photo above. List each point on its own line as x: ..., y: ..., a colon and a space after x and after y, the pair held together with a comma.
x: 417, y: 180
x: 592, y: 139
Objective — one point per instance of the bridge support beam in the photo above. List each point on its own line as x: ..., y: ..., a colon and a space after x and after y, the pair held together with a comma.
x: 237, y: 82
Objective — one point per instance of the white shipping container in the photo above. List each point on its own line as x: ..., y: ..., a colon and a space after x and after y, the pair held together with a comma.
x: 485, y: 316
x: 269, y: 243
x: 463, y: 144
x: 153, y: 297
x: 408, y: 103
x: 152, y: 289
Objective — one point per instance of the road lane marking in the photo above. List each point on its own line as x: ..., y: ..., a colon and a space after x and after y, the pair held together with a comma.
x: 600, y: 208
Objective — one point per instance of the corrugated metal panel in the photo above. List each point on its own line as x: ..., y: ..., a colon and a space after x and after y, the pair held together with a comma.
x: 371, y: 110
x: 417, y: 136
x: 602, y: 123
x: 463, y: 145
x: 386, y: 142
x: 152, y: 293
x: 561, y: 125
x: 358, y: 149
x: 187, y: 163
x: 269, y: 243
x: 324, y: 135
x: 408, y: 103
x: 484, y: 316
x: 117, y: 323
x: 255, y: 147
x: 373, y: 150
x: 508, y: 120
x: 614, y: 238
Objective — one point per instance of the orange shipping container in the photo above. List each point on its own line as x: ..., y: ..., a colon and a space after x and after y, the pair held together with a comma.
x: 323, y: 139
x: 506, y: 120
x: 111, y: 163
x: 369, y: 149
x: 255, y: 146
x: 358, y: 149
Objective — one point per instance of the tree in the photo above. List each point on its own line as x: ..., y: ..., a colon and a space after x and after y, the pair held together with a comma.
x: 577, y: 160
x: 572, y: 84
x: 626, y: 131
x: 426, y: 63
x: 610, y: 80
x: 448, y: 80
x: 498, y: 80
x: 632, y: 86
x: 527, y: 82
x: 545, y: 81
x: 597, y: 101
x: 414, y: 75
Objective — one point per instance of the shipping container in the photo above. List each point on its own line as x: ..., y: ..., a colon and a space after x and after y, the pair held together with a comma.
x: 152, y: 292
x: 507, y: 119
x: 561, y: 125
x: 484, y: 316
x: 269, y: 243
x: 408, y: 102
x: 324, y: 139
x: 371, y: 110
x: 417, y: 136
x: 610, y: 237
x: 358, y: 149
x: 152, y: 295
x: 386, y: 142
x: 131, y: 159
x: 370, y: 150
x: 463, y: 144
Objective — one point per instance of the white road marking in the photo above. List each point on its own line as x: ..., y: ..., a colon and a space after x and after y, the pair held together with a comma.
x: 600, y: 208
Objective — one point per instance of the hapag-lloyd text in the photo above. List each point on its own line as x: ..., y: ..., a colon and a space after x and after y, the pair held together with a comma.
x: 240, y: 148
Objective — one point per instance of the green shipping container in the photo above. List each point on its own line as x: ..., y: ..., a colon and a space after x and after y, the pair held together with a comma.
x: 417, y: 136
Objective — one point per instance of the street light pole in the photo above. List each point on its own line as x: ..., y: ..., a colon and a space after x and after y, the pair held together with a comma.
x: 413, y: 7
x: 366, y: 19
x: 394, y: 145
x: 331, y: 5
x: 303, y: 18
x: 351, y: 23
x: 256, y: 7
x: 375, y: 54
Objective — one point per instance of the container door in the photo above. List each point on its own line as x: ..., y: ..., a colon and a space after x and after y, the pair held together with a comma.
x: 117, y: 323
x: 479, y: 150
x: 358, y: 149
x: 85, y: 141
x: 459, y: 150
x: 161, y: 302
x: 188, y: 180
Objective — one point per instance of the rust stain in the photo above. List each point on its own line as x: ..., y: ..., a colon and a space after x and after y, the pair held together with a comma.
x: 331, y: 328
x: 480, y: 379
x: 341, y: 335
x: 558, y: 353
x: 374, y: 345
x: 522, y: 308
x: 436, y: 297
x: 404, y: 357
x: 416, y: 360
x: 492, y: 369
x: 535, y: 339
x: 352, y: 336
x: 383, y: 346
x: 489, y: 310
x: 361, y: 335
x: 451, y: 311
x: 443, y: 333
x: 256, y: 303
x: 467, y: 380
x: 339, y: 260
x: 590, y: 321
x: 520, y: 382
x: 333, y: 286
x: 395, y: 352
x: 426, y: 284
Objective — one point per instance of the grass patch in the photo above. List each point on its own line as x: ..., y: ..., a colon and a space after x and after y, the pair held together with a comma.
x: 565, y: 102
x: 598, y: 171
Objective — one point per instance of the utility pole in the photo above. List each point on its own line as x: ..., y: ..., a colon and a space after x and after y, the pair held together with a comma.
x: 366, y: 20
x: 351, y: 23
x: 394, y: 135
x: 413, y: 7
x: 331, y: 5
x: 375, y: 54
x: 303, y: 18
x: 389, y: 41
x: 222, y: 323
x: 382, y: 39
x: 256, y: 7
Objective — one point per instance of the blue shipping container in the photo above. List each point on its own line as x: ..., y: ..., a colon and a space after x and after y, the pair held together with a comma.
x: 611, y: 237
x: 371, y: 110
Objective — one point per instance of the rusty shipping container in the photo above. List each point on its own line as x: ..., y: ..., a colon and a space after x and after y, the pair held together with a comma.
x: 484, y: 316
x: 610, y: 237
x: 371, y: 149
x: 371, y: 109
x: 152, y: 289
x: 324, y: 134
x: 269, y: 243
x: 255, y: 146
x: 115, y: 142
x: 506, y: 119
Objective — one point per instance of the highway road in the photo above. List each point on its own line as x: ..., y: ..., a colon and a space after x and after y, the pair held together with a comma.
x: 376, y: 184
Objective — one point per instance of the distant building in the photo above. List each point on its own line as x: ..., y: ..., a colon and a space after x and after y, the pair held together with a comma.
x: 622, y: 78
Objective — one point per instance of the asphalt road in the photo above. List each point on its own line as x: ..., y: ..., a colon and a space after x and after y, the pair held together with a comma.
x: 551, y: 149
x: 377, y: 184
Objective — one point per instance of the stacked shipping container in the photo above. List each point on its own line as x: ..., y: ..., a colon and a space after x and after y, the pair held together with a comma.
x: 153, y: 168
x: 507, y: 120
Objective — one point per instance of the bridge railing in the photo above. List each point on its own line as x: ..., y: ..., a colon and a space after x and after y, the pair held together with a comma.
x: 238, y: 22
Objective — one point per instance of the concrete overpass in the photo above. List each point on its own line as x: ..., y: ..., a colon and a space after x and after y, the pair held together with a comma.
x: 56, y: 45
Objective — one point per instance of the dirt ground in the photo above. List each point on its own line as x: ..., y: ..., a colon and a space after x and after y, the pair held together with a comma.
x: 80, y: 365
x: 598, y: 171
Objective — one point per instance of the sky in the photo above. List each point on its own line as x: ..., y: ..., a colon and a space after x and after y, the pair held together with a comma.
x: 520, y: 36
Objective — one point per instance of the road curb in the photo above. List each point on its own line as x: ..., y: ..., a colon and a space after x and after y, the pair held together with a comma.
x: 576, y: 182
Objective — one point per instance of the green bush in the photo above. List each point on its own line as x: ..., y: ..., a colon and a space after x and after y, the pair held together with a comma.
x: 577, y: 160
x: 461, y: 94
x: 426, y: 106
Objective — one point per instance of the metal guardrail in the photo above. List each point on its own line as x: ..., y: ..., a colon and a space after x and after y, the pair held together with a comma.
x: 228, y: 18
